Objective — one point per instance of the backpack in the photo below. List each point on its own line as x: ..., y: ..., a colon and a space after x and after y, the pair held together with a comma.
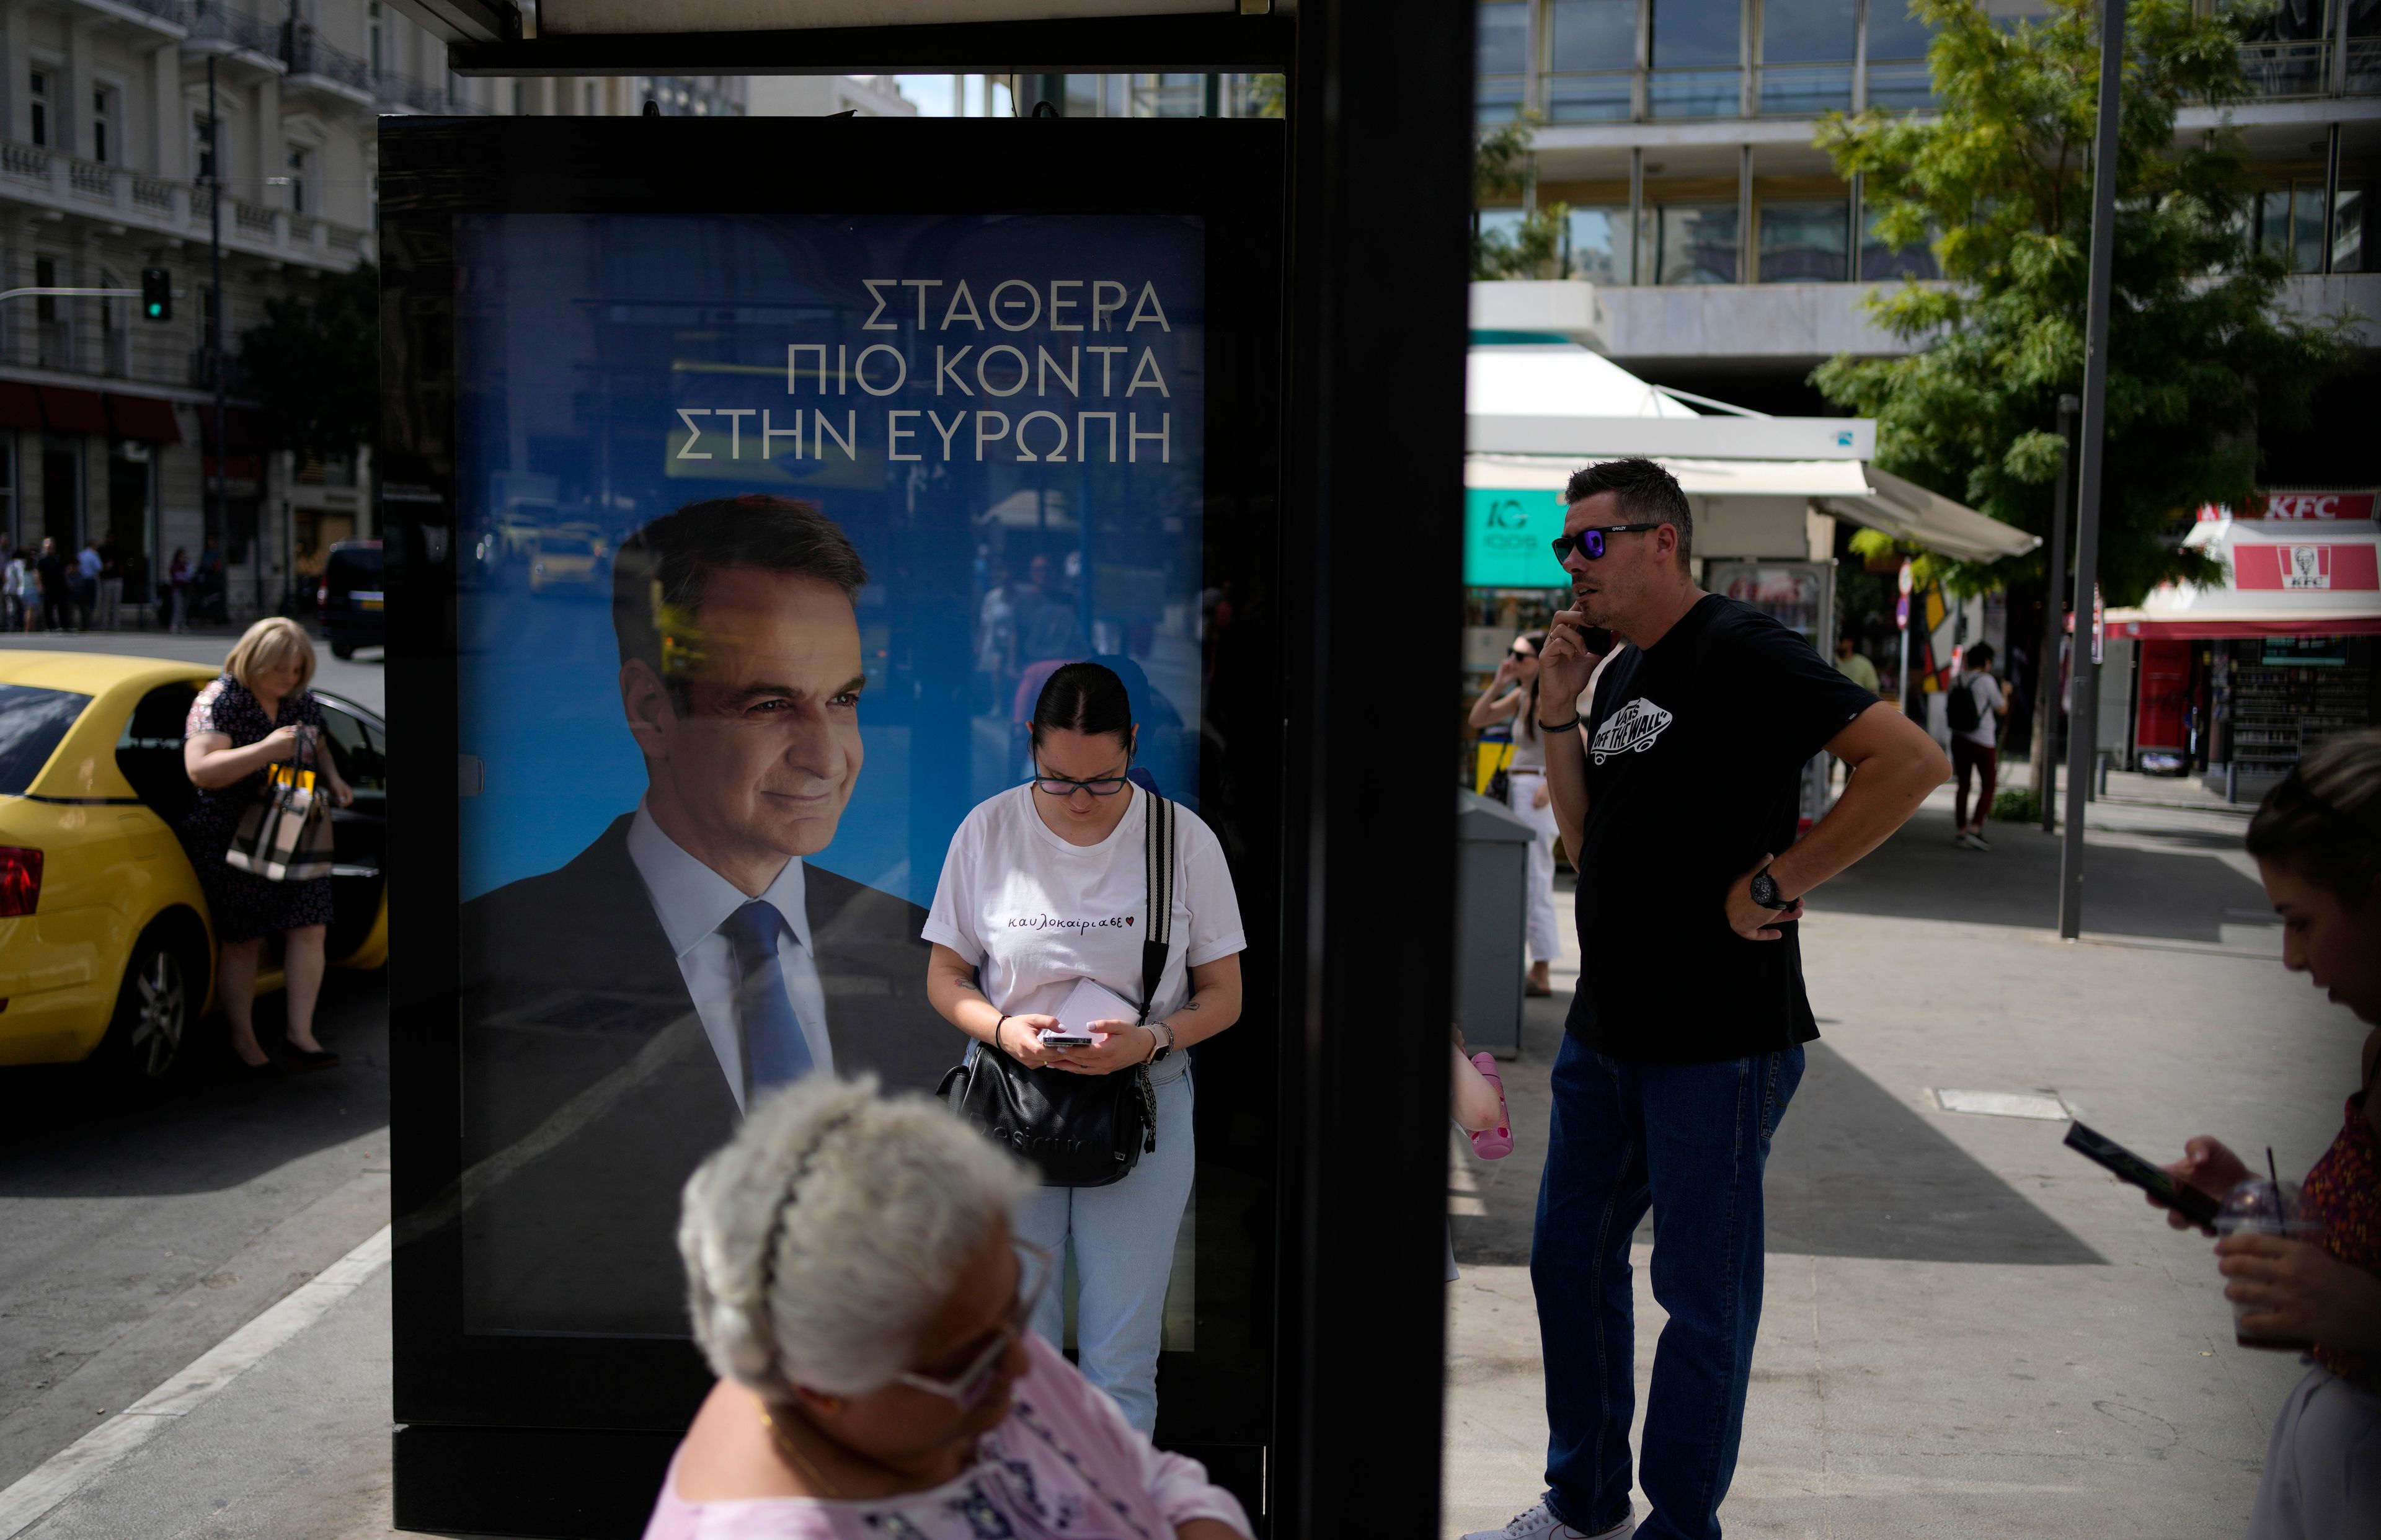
x: 1966, y: 711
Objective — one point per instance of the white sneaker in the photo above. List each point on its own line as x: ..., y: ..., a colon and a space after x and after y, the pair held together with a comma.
x: 1978, y: 835
x: 1967, y: 841
x: 1539, y: 1524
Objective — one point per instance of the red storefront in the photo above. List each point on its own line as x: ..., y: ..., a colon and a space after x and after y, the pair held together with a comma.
x: 2235, y: 682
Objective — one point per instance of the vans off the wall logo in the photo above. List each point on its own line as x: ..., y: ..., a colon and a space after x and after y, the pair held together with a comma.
x: 1631, y: 730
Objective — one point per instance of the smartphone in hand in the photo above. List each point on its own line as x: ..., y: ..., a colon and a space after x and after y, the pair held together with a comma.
x: 2098, y: 1148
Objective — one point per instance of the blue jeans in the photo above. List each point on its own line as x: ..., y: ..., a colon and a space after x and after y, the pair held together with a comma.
x: 1689, y: 1140
x: 1124, y: 1236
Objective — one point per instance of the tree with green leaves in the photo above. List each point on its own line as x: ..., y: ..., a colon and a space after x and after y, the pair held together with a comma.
x: 1502, y: 168
x: 2200, y: 352
x: 313, y: 365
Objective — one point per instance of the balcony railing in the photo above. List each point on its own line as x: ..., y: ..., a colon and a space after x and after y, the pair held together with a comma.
x: 405, y: 92
x: 213, y: 21
x: 2282, y: 69
x: 164, y: 10
x: 308, y: 55
x: 53, y: 343
x: 34, y: 174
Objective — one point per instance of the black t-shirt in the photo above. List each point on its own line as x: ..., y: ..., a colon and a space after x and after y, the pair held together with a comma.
x: 1696, y: 752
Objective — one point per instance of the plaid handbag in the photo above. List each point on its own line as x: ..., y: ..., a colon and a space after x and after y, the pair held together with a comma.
x: 284, y: 835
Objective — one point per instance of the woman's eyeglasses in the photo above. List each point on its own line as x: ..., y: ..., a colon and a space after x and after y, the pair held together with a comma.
x: 1059, y: 785
x: 968, y: 1386
x: 1589, y: 543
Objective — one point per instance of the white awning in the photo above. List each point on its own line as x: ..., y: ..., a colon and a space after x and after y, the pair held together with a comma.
x: 1846, y: 488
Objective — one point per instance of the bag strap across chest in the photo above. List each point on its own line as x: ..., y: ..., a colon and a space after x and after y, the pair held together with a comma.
x: 1157, y: 940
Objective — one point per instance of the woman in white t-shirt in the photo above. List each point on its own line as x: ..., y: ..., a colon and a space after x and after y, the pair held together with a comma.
x: 1977, y: 704
x: 1046, y: 886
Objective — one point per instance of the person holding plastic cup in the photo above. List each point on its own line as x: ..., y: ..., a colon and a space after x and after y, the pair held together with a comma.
x: 2311, y: 1272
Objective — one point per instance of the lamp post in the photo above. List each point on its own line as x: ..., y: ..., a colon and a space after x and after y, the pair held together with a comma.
x: 2082, y: 710
x: 216, y: 308
x: 2054, y: 604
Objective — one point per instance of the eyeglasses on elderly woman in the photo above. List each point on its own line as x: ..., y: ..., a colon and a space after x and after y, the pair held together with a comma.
x: 970, y: 1372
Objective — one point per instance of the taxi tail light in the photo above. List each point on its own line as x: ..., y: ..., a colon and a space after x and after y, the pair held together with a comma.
x: 20, y: 880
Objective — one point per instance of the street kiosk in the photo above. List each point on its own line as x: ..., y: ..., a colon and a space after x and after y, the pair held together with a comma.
x: 1117, y: 390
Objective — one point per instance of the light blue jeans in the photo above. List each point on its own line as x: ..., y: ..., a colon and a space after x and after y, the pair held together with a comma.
x: 1124, y: 1237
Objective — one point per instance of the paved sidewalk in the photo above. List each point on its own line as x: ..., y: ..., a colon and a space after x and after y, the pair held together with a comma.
x: 1969, y: 1331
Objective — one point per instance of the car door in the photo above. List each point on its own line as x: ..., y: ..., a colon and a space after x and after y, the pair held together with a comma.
x: 359, y: 833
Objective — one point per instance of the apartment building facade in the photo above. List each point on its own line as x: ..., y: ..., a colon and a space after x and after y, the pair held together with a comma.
x: 121, y: 124
x: 1725, y: 252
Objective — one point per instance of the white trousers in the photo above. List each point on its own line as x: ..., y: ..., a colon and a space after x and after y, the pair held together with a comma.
x: 1521, y: 792
x: 2322, y: 1464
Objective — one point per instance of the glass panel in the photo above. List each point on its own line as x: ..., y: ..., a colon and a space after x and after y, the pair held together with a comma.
x: 1588, y: 99
x: 2348, y: 231
x: 1592, y: 34
x: 1895, y: 33
x: 1500, y: 99
x: 1804, y: 242
x: 2279, y: 68
x: 2274, y: 223
x: 1169, y: 95
x: 1880, y: 260
x: 1696, y: 32
x: 1504, y: 37
x: 1697, y: 244
x: 1500, y: 221
x: 1807, y: 91
x: 1807, y: 31
x: 2306, y: 228
x: 1900, y: 86
x: 1694, y: 92
x: 1083, y: 96
x: 1598, y: 239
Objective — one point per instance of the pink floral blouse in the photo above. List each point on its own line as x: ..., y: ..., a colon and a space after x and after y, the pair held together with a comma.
x: 1064, y: 1466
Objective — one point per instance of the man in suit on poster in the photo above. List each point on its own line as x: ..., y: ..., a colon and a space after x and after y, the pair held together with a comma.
x: 620, y: 1013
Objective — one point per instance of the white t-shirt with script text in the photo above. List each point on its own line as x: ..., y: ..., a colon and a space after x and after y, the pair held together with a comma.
x: 1035, y: 913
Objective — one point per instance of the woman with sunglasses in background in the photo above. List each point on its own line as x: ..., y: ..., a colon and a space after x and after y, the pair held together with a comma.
x: 855, y: 1283
x: 1513, y: 695
x: 1047, y: 885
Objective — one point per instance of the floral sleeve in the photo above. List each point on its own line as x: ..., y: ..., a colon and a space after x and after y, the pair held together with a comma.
x: 203, y: 711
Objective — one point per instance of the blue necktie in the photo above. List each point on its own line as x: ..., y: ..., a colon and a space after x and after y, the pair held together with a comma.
x: 775, y: 1051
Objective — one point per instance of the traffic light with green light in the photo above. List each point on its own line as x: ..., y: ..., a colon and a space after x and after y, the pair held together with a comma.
x: 156, y: 294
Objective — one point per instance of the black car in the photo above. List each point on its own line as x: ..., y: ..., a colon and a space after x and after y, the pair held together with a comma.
x: 351, y: 597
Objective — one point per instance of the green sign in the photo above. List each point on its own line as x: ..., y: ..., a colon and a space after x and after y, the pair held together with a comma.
x: 1508, y: 537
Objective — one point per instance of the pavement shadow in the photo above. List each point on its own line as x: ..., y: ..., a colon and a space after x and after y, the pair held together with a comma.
x: 1919, y: 875
x: 1856, y: 1171
x: 213, y: 1127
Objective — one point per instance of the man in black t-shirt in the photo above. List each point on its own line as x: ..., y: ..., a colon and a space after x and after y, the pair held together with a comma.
x: 1677, y: 789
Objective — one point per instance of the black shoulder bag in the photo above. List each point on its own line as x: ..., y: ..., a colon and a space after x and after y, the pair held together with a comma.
x: 1081, y: 1130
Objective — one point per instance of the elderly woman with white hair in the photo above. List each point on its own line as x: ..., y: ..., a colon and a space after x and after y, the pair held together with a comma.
x: 854, y: 1280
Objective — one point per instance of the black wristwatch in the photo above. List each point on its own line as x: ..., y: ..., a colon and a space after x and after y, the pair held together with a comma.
x: 1764, y: 889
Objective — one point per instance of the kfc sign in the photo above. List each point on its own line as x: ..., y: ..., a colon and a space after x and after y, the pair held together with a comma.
x: 2304, y: 566
x: 2318, y: 505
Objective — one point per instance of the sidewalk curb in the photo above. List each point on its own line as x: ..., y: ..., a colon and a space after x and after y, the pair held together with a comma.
x: 41, y: 1490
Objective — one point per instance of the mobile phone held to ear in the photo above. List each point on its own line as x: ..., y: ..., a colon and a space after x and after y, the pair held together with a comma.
x: 2098, y: 1148
x: 1598, y: 640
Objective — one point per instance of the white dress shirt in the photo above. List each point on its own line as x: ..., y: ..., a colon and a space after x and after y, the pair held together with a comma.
x: 692, y: 901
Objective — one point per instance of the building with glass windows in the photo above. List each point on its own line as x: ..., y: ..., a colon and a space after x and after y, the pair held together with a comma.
x: 110, y: 159
x: 1727, y: 254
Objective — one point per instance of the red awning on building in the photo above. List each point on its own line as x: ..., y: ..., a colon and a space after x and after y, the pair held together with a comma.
x: 19, y: 407
x: 69, y: 410
x: 144, y: 417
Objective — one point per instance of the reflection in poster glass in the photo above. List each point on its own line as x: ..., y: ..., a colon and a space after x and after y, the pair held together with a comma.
x: 781, y: 521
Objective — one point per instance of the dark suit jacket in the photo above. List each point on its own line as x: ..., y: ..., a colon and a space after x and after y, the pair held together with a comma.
x: 590, y: 1093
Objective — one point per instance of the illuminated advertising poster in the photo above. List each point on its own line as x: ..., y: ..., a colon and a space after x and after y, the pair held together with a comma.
x: 782, y: 521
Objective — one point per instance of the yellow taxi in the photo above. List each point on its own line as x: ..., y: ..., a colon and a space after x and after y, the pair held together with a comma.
x: 106, y: 951
x: 566, y: 560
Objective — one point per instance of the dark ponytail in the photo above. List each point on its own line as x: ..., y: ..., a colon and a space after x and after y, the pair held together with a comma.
x: 1537, y: 641
x: 1084, y: 698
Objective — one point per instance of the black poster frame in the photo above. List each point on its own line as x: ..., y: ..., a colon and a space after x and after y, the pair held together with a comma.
x: 568, y: 1434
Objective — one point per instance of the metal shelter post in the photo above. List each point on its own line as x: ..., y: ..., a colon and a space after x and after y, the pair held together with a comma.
x: 2082, y: 712
x: 1381, y: 128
